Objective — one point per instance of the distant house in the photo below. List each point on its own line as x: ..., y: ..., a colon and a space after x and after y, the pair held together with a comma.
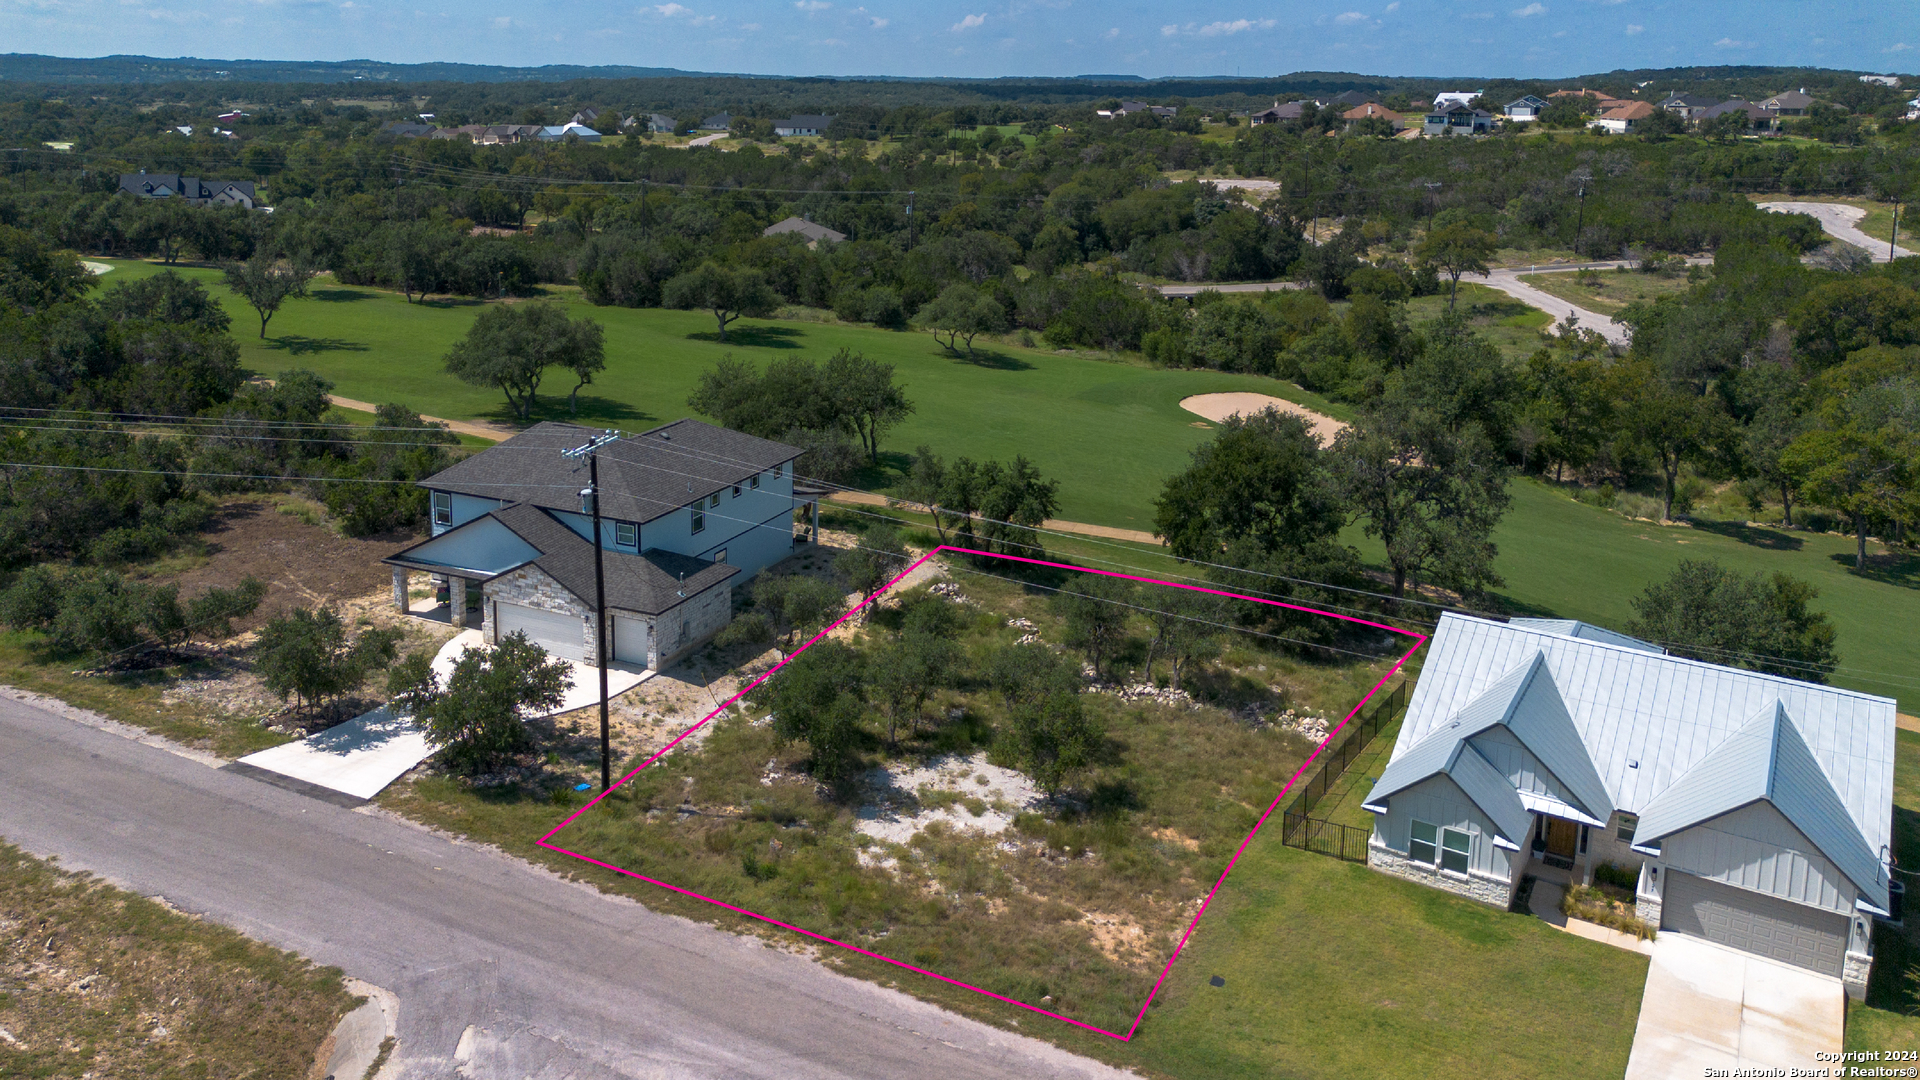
x: 1750, y: 810
x: 1292, y: 110
x: 1622, y: 119
x: 231, y: 117
x: 717, y: 122
x: 1688, y: 106
x: 803, y: 124
x: 577, y: 131
x: 1351, y: 98
x: 1454, y: 97
x: 407, y: 129
x: 657, y: 123
x: 1883, y: 80
x: 509, y: 133
x: 1456, y: 119
x: 1791, y: 103
x: 467, y: 132
x: 1374, y: 111
x: 1754, y: 117
x: 1526, y: 110
x: 585, y: 117
x: 195, y: 191
x: 815, y: 234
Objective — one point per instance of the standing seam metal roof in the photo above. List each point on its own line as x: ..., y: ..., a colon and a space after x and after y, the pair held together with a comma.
x: 1647, y: 719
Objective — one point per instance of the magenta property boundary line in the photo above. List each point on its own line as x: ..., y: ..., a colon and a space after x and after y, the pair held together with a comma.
x: 1187, y: 935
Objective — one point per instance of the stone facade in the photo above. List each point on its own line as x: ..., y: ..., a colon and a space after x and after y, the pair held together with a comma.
x: 1648, y: 903
x: 1853, y: 974
x: 531, y: 586
x: 685, y: 627
x: 1485, y: 888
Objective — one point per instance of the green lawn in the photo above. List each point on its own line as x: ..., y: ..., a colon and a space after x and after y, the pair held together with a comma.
x: 1109, y: 431
x: 1336, y: 970
x: 1613, y: 290
x: 1888, y: 1020
x: 1342, y: 802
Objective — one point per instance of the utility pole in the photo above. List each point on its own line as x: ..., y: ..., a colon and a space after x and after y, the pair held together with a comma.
x: 1580, y: 220
x: 590, y: 496
x: 1432, y: 186
x: 1893, y: 241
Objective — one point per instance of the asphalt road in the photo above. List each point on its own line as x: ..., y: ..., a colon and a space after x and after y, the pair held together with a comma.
x: 1842, y: 222
x: 553, y: 979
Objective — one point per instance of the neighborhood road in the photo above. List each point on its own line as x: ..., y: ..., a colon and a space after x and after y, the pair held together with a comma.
x: 501, y: 969
x: 1841, y: 222
x: 1507, y: 280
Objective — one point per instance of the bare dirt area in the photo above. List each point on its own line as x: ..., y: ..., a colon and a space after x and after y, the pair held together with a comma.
x: 1218, y: 407
x: 285, y: 543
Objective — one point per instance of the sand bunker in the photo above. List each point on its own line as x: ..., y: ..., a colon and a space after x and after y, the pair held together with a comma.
x: 1217, y: 407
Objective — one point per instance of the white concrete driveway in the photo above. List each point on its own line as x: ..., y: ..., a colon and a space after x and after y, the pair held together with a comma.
x: 1712, y: 1008
x: 1841, y: 222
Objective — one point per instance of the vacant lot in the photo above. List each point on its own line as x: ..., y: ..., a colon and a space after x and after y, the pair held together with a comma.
x: 99, y: 982
x: 1608, y: 291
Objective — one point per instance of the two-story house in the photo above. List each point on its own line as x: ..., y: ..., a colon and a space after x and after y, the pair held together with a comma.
x: 688, y: 510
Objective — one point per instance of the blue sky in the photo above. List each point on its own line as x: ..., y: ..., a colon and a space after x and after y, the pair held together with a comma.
x: 1499, y: 38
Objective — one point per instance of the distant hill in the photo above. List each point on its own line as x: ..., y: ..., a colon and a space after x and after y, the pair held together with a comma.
x: 28, y: 67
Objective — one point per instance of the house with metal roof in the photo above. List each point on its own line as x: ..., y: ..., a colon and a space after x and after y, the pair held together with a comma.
x: 1752, y: 810
x: 1525, y: 110
x: 687, y: 510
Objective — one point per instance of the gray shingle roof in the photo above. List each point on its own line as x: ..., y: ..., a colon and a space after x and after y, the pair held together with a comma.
x: 1766, y: 759
x: 1648, y: 719
x: 1586, y: 631
x: 650, y: 582
x: 642, y: 476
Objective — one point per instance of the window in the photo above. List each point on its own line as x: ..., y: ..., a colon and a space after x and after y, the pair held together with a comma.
x: 720, y: 556
x: 1583, y: 839
x: 699, y: 520
x: 1628, y: 823
x: 626, y: 534
x: 1456, y: 847
x: 736, y: 491
x: 713, y: 500
x: 1421, y: 848
x: 755, y: 482
x: 776, y: 470
x: 442, y: 507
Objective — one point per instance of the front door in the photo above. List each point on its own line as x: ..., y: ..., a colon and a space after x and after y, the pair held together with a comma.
x: 1563, y: 837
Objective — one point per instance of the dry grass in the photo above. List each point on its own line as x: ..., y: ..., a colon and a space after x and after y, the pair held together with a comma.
x: 99, y: 982
x: 1073, y: 908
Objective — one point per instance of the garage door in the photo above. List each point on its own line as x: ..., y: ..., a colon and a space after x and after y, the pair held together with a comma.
x: 1764, y: 925
x: 556, y: 632
x: 630, y: 640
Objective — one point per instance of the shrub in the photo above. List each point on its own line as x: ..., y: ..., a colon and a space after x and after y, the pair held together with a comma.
x: 1625, y: 877
x: 475, y: 718
x: 749, y: 628
x: 304, y: 653
x: 1586, y: 902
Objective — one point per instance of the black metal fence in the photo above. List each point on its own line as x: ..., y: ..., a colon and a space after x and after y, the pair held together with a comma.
x: 1325, y: 837
x: 1329, y: 837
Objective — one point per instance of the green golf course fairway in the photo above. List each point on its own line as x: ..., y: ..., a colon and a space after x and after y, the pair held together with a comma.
x: 1110, y: 432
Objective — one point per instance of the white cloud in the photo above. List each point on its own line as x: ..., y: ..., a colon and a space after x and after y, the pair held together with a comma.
x: 1898, y: 46
x: 502, y: 23
x: 1217, y: 29
x: 1348, y: 17
x: 1729, y: 43
x: 1559, y: 33
x: 1634, y: 28
x: 1169, y: 31
x: 1529, y: 11
x: 670, y: 10
x: 878, y: 22
x: 811, y: 6
x: 970, y: 22
x: 1113, y: 33
x: 1393, y: 7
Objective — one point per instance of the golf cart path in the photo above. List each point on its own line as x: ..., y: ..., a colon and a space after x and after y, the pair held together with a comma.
x: 1842, y: 222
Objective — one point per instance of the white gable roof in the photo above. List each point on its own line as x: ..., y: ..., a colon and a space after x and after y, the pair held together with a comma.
x: 1646, y: 719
